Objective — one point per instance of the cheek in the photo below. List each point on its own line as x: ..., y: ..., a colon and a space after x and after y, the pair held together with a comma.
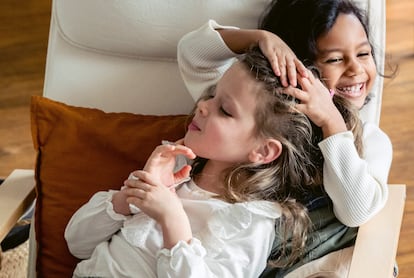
x: 330, y: 77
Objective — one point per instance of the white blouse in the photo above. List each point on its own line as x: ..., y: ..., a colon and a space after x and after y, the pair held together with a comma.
x: 229, y: 240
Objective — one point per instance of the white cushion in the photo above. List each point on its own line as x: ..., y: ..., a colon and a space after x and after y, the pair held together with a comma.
x: 149, y: 29
x: 121, y: 55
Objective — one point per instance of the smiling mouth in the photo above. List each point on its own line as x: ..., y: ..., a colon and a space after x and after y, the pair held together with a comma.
x: 351, y: 91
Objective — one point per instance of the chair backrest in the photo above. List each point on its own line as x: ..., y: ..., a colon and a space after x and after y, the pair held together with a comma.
x: 121, y: 55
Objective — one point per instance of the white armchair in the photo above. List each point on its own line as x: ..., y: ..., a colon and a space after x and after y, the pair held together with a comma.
x: 120, y: 56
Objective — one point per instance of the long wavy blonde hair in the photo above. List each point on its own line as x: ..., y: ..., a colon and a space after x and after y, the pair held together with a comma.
x: 295, y: 173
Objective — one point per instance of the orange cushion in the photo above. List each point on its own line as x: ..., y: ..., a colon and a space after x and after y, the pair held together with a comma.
x: 81, y: 151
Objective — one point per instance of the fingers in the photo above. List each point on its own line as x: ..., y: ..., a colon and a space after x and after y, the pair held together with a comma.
x: 274, y: 63
x: 301, y: 69
x: 283, y: 61
x: 182, y: 174
x: 305, y: 82
x: 291, y: 73
x: 173, y: 149
x: 143, y: 183
x: 288, y: 67
x: 181, y: 149
x: 284, y: 67
x: 314, y: 86
x: 283, y: 75
x: 179, y: 141
x: 297, y: 93
x: 138, y: 179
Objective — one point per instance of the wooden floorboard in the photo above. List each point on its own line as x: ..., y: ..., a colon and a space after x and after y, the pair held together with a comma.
x: 23, y: 44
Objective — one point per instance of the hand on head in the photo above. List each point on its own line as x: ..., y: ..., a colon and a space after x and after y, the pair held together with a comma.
x: 316, y: 103
x: 284, y: 62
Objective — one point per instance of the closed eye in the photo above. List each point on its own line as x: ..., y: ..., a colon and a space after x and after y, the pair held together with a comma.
x: 224, y: 112
x: 364, y: 54
x: 333, y: 60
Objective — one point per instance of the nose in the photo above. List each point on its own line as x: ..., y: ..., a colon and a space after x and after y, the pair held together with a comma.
x: 354, y: 67
x: 202, y: 107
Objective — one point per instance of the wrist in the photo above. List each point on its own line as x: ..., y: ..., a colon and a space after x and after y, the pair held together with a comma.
x: 175, y: 228
x: 119, y: 204
x: 333, y: 126
x: 239, y: 40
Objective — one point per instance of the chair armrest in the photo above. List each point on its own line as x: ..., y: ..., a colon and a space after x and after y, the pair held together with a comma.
x: 377, y: 240
x: 17, y: 193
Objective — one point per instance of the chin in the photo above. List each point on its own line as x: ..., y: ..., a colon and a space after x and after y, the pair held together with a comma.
x: 190, y: 144
x: 359, y: 103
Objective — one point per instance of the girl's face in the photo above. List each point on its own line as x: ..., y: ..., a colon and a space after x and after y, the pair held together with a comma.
x: 345, y: 59
x: 223, y: 127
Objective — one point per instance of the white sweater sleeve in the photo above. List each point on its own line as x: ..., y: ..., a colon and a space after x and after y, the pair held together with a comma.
x: 203, y: 57
x: 93, y: 223
x: 357, y: 186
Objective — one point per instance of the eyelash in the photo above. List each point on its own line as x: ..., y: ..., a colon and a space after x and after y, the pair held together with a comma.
x: 330, y: 61
x: 211, y: 93
x: 224, y: 112
x: 364, y: 54
x: 336, y: 60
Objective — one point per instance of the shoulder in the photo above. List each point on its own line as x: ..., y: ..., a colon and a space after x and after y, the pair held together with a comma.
x: 265, y: 209
x: 241, y: 216
x: 240, y: 221
x: 261, y: 208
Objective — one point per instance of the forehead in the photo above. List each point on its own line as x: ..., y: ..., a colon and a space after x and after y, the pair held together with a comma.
x: 347, y: 31
x: 238, y: 81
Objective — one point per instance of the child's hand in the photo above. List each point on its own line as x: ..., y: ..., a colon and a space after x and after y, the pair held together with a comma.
x: 281, y: 57
x: 316, y: 102
x: 161, y: 204
x: 161, y: 163
x: 152, y: 197
x: 119, y: 202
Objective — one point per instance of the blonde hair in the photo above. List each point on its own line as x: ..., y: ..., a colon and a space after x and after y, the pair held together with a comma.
x: 293, y: 175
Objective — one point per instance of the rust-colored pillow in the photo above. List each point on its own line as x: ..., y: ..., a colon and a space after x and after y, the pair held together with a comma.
x: 81, y: 151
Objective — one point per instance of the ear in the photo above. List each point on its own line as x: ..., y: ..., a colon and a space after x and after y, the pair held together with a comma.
x: 266, y: 152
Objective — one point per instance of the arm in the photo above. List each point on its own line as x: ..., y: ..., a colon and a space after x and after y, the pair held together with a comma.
x: 316, y: 102
x: 357, y: 186
x: 152, y: 193
x: 282, y: 59
x: 93, y: 223
x: 162, y: 204
x: 224, y: 249
x: 206, y: 53
x: 203, y: 57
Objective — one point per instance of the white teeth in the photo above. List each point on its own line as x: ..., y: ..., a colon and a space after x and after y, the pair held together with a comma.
x: 351, y: 90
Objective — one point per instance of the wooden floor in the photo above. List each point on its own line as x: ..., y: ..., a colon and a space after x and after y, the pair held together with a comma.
x: 23, y: 43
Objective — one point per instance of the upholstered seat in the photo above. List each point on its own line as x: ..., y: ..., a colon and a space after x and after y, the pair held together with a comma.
x: 113, y: 63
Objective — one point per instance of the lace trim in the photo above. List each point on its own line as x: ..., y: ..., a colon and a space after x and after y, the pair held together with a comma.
x: 228, y: 222
x: 136, y: 230
x: 194, y: 247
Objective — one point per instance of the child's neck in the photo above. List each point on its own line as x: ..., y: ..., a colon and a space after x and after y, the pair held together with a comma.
x: 211, y: 177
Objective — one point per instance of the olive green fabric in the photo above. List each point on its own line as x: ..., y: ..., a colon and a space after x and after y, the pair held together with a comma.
x: 328, y: 235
